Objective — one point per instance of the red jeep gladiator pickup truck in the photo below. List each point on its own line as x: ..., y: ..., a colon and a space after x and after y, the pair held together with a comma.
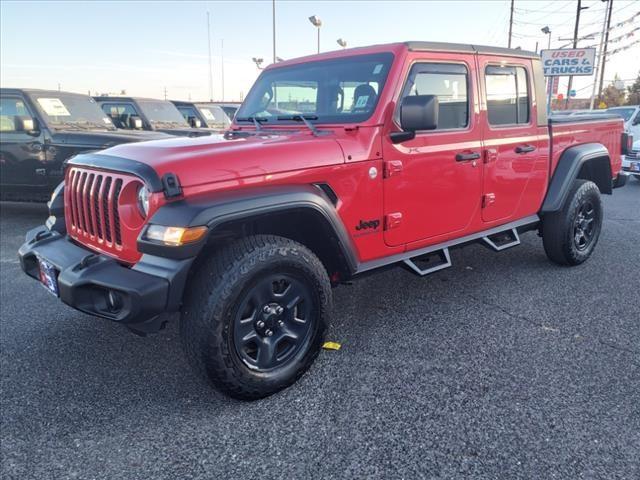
x: 335, y: 165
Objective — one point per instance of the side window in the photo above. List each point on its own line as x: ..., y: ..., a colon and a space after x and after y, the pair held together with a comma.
x: 449, y: 82
x: 188, y: 112
x: 507, y: 95
x: 10, y: 108
x: 120, y: 113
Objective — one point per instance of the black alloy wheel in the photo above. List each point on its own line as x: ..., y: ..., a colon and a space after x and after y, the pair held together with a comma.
x: 273, y: 321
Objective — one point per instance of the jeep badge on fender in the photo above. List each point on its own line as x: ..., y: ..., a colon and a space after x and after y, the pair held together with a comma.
x: 370, y: 224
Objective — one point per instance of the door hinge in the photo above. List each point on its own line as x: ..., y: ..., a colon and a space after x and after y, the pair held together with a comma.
x: 392, y: 167
x: 488, y: 199
x: 490, y: 155
x: 392, y: 220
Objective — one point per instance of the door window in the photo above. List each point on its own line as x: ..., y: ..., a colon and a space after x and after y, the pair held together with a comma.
x: 10, y: 108
x: 448, y: 82
x: 120, y: 113
x: 507, y: 95
x: 188, y: 112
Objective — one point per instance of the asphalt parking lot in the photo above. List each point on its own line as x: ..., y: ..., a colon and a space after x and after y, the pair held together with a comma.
x: 504, y: 366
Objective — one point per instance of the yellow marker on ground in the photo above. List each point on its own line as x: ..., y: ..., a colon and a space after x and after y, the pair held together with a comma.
x: 331, y: 346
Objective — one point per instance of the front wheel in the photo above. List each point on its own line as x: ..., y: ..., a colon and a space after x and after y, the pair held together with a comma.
x: 255, y: 316
x: 570, y: 235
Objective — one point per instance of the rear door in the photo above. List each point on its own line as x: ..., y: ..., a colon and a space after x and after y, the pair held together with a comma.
x: 432, y: 184
x: 511, y: 135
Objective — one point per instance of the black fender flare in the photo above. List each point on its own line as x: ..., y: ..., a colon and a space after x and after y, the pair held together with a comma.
x: 571, y: 163
x: 215, y: 210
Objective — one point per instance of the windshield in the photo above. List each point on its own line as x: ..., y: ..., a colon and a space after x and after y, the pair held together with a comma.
x: 625, y: 113
x: 162, y: 114
x: 343, y: 90
x: 63, y: 111
x: 214, y: 115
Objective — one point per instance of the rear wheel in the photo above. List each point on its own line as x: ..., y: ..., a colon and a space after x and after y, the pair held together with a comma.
x: 570, y: 235
x: 255, y: 317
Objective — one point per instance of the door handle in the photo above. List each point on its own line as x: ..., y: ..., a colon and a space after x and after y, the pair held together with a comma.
x: 464, y: 157
x: 525, y: 148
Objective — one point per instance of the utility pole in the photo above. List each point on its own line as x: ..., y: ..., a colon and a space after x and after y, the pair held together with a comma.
x: 210, y: 65
x: 222, y: 66
x: 575, y: 44
x: 510, y: 24
x: 604, y: 51
x: 600, y: 56
x: 165, y: 93
x: 273, y: 19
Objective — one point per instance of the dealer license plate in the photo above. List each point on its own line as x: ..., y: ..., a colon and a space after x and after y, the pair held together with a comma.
x: 48, y: 276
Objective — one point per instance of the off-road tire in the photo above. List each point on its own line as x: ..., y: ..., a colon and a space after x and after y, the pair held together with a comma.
x: 211, y: 309
x: 559, y: 228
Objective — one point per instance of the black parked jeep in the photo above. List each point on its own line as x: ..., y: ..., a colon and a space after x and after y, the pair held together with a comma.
x: 40, y: 129
x: 135, y: 113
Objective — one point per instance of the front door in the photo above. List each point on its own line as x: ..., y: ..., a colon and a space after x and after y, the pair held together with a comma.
x: 510, y: 138
x: 22, y: 156
x: 432, y: 185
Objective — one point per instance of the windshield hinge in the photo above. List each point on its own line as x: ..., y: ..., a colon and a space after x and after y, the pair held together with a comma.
x: 171, y: 185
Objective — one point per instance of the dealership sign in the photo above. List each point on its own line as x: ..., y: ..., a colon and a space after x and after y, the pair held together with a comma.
x: 568, y: 61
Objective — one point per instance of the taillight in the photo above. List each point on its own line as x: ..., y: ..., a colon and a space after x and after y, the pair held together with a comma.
x: 627, y: 143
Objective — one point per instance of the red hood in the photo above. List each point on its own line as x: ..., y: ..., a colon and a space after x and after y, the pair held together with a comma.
x: 213, y: 158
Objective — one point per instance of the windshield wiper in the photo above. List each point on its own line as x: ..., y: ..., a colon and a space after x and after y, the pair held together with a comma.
x: 256, y: 121
x: 169, y: 125
x: 304, y: 119
x: 68, y: 125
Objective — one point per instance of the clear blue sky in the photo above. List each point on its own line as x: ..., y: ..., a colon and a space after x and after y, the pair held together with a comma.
x: 146, y: 46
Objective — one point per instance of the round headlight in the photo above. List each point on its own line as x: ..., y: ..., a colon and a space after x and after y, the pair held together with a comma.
x: 143, y: 201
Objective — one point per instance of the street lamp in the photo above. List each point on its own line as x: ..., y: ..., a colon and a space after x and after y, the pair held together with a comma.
x: 316, y: 22
x: 258, y: 62
x: 342, y: 43
x: 547, y: 31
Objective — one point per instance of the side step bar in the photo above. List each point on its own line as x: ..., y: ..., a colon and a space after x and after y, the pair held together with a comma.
x: 443, y: 257
x: 497, y: 238
x: 502, y: 240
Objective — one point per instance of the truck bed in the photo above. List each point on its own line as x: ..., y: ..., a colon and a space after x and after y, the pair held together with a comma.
x: 566, y: 131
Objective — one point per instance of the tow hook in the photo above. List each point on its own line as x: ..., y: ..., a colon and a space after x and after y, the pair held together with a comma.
x: 41, y: 235
x: 86, y: 261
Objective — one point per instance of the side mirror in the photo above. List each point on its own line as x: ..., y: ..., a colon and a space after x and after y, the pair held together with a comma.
x: 195, y: 122
x: 25, y: 124
x: 637, y: 120
x: 135, y: 122
x: 417, y: 113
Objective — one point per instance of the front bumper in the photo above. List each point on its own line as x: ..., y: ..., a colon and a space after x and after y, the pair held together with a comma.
x: 151, y: 287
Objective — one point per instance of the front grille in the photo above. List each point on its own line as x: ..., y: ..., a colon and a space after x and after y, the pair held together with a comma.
x: 634, y: 154
x: 93, y: 206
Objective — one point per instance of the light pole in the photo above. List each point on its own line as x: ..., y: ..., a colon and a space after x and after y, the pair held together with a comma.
x: 547, y: 31
x: 258, y: 61
x: 273, y: 20
x: 315, y: 20
x: 210, y: 64
x: 342, y: 42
